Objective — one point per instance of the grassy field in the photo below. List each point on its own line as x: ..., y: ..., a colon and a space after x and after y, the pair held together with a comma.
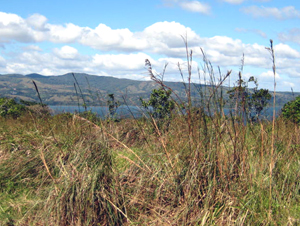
x: 66, y: 170
x: 198, y: 168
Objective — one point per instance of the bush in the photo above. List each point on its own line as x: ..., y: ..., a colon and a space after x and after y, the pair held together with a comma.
x: 10, y: 108
x: 291, y: 110
x: 160, y: 103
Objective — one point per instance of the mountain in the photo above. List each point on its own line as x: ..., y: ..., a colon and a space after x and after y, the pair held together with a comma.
x: 60, y: 90
x: 35, y: 76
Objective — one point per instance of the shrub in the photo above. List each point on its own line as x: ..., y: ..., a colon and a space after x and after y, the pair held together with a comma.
x: 112, y: 105
x: 9, y: 107
x: 291, y: 110
x: 160, y: 103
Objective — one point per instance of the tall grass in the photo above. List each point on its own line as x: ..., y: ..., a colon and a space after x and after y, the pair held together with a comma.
x: 204, y: 168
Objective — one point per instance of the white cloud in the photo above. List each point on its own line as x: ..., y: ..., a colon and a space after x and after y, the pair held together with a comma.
x: 120, y: 62
x: 189, y: 5
x: 292, y: 35
x: 234, y: 1
x: 37, y: 21
x: 105, y: 38
x: 124, y: 51
x: 63, y: 34
x: 66, y: 52
x: 286, y: 51
x: 9, y: 18
x: 269, y: 75
x: 288, y: 12
x: 195, y: 6
x: 13, y: 27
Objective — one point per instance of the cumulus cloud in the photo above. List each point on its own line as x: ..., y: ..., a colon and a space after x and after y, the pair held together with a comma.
x: 286, y: 51
x: 66, y: 52
x: 37, y: 21
x: 121, y: 62
x: 124, y: 51
x: 13, y: 27
x: 289, y: 12
x: 63, y: 34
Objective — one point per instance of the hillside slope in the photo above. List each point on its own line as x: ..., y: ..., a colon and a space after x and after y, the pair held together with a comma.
x: 59, y: 90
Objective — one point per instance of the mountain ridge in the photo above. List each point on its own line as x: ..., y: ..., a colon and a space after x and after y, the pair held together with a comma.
x: 60, y: 89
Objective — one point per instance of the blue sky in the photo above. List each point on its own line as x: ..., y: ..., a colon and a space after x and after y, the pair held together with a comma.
x: 113, y: 38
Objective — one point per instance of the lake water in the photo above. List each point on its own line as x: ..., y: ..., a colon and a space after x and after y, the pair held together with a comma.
x: 122, y: 112
x: 129, y: 111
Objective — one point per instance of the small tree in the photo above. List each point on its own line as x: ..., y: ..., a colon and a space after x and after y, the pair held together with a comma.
x: 112, y: 105
x: 160, y: 102
x: 9, y: 107
x: 291, y: 110
x: 258, y: 100
x: 250, y: 102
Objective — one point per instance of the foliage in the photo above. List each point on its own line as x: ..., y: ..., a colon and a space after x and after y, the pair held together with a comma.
x: 291, y: 110
x: 9, y: 107
x: 112, y: 105
x: 258, y: 100
x: 91, y: 116
x: 16, y: 108
x: 249, y: 102
x: 28, y: 103
x: 160, y: 103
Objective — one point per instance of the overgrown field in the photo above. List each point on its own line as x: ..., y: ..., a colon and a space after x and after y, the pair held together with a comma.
x: 180, y: 165
x: 66, y: 170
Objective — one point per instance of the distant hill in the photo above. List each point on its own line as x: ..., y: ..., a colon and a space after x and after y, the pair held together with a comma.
x: 59, y: 90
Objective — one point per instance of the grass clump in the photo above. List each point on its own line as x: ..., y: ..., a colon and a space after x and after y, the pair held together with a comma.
x: 70, y: 171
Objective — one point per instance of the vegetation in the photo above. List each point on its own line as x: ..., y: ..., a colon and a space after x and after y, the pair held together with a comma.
x: 112, y: 105
x: 9, y: 107
x: 291, y: 110
x: 205, y: 169
x: 160, y: 103
x: 251, y: 103
x: 13, y: 108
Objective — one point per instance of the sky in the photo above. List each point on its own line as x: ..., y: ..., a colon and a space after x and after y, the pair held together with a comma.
x: 114, y: 38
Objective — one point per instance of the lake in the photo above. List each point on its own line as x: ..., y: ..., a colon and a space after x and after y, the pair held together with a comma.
x: 102, y: 111
x: 129, y: 111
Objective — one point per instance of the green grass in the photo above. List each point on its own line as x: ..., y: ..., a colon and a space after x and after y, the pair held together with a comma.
x: 64, y: 170
x: 194, y: 169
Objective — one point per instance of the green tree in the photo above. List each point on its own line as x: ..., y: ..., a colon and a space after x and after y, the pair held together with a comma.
x: 9, y: 107
x: 259, y: 99
x: 291, y: 110
x: 250, y: 102
x: 112, y: 105
x: 160, y: 103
